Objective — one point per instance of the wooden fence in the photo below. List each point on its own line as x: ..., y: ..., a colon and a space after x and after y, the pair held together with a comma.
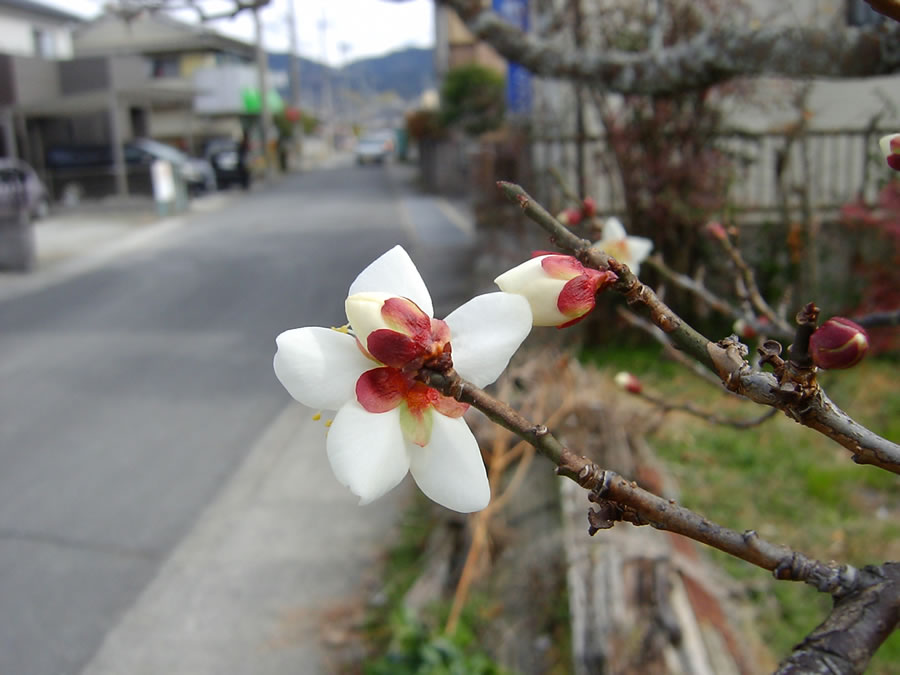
x: 827, y: 167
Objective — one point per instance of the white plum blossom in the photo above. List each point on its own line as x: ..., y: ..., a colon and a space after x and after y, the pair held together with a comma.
x: 388, y: 423
x: 631, y: 251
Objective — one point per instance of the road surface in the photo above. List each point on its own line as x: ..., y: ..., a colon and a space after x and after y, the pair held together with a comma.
x: 131, y: 392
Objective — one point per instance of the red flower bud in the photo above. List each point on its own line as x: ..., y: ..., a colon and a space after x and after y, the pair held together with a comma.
x: 716, y: 231
x: 570, y: 217
x: 589, y: 207
x: 628, y: 382
x: 890, y: 147
x: 838, y: 343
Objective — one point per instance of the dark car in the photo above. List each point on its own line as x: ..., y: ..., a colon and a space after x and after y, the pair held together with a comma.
x: 74, y: 163
x: 224, y: 155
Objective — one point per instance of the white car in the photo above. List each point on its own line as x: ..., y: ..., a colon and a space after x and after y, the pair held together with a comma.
x: 373, y: 149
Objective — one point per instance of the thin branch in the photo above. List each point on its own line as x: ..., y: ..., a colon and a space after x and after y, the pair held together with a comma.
x: 890, y: 8
x: 853, y: 631
x: 867, y: 608
x: 876, y: 319
x: 673, y: 353
x: 748, y: 277
x: 687, y: 283
x: 711, y: 57
x: 795, y: 390
x: 639, y: 506
x: 711, y: 417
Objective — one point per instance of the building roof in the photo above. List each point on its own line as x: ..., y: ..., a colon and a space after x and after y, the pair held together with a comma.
x: 36, y: 8
x: 151, y: 32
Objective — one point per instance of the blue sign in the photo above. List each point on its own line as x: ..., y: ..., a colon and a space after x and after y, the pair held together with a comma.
x: 518, y: 78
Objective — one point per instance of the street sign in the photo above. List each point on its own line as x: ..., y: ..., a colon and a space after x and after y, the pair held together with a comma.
x: 518, y: 78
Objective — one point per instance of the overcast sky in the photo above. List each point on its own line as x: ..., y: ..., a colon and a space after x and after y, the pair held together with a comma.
x: 354, y: 28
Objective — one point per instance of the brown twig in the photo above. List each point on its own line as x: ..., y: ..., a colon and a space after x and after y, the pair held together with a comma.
x: 691, y: 285
x: 890, y: 8
x: 673, y: 353
x: 639, y: 506
x: 748, y: 279
x: 867, y: 604
x: 877, y: 319
x: 711, y: 417
x: 794, y: 391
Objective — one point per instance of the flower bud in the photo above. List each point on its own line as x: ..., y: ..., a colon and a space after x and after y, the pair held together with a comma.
x: 838, y: 343
x: 589, y: 207
x: 716, y: 230
x: 628, y: 382
x: 748, y: 330
x: 559, y: 289
x: 890, y: 148
x: 371, y: 313
x: 569, y: 217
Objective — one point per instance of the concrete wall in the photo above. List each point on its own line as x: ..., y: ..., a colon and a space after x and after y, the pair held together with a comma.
x: 36, y: 79
x: 17, y: 29
x: 84, y: 74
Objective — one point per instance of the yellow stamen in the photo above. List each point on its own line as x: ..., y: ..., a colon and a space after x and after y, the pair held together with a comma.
x: 317, y: 417
x: 328, y: 423
x: 345, y: 329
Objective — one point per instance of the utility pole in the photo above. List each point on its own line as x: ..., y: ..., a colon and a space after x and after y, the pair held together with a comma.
x: 262, y: 66
x: 327, y: 99
x: 294, y: 62
x: 295, y: 58
x: 578, y: 26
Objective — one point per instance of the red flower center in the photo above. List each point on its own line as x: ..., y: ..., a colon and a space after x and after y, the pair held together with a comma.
x: 414, y: 340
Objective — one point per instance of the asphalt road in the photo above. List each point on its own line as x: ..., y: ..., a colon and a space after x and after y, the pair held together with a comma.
x: 130, y: 393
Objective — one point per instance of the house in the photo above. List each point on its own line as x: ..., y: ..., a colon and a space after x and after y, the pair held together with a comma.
x: 217, y: 69
x: 34, y: 37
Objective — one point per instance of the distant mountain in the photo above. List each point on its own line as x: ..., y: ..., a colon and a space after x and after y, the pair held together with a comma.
x: 406, y: 73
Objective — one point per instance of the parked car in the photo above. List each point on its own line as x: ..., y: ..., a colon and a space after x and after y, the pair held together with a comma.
x: 197, y: 173
x: 224, y: 156
x: 36, y: 195
x: 374, y: 149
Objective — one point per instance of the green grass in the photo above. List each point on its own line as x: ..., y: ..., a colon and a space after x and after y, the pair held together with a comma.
x: 788, y: 482
x: 405, y: 644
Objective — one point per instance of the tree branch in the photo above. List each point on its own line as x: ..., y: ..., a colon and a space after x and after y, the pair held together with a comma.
x: 890, y: 8
x: 793, y: 389
x: 867, y: 608
x: 853, y: 631
x: 710, y: 58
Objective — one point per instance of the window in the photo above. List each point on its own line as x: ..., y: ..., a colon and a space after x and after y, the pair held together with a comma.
x: 860, y: 14
x: 42, y: 40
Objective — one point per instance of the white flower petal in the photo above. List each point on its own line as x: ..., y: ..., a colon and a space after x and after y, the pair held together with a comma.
x: 638, y: 250
x: 542, y: 291
x: 613, y: 230
x: 367, y: 451
x: 449, y: 470
x: 394, y: 273
x: 319, y: 367
x: 364, y: 314
x: 885, y: 144
x: 521, y: 275
x: 485, y: 333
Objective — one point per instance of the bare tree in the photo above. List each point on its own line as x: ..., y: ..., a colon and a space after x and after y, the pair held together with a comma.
x: 720, y: 52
